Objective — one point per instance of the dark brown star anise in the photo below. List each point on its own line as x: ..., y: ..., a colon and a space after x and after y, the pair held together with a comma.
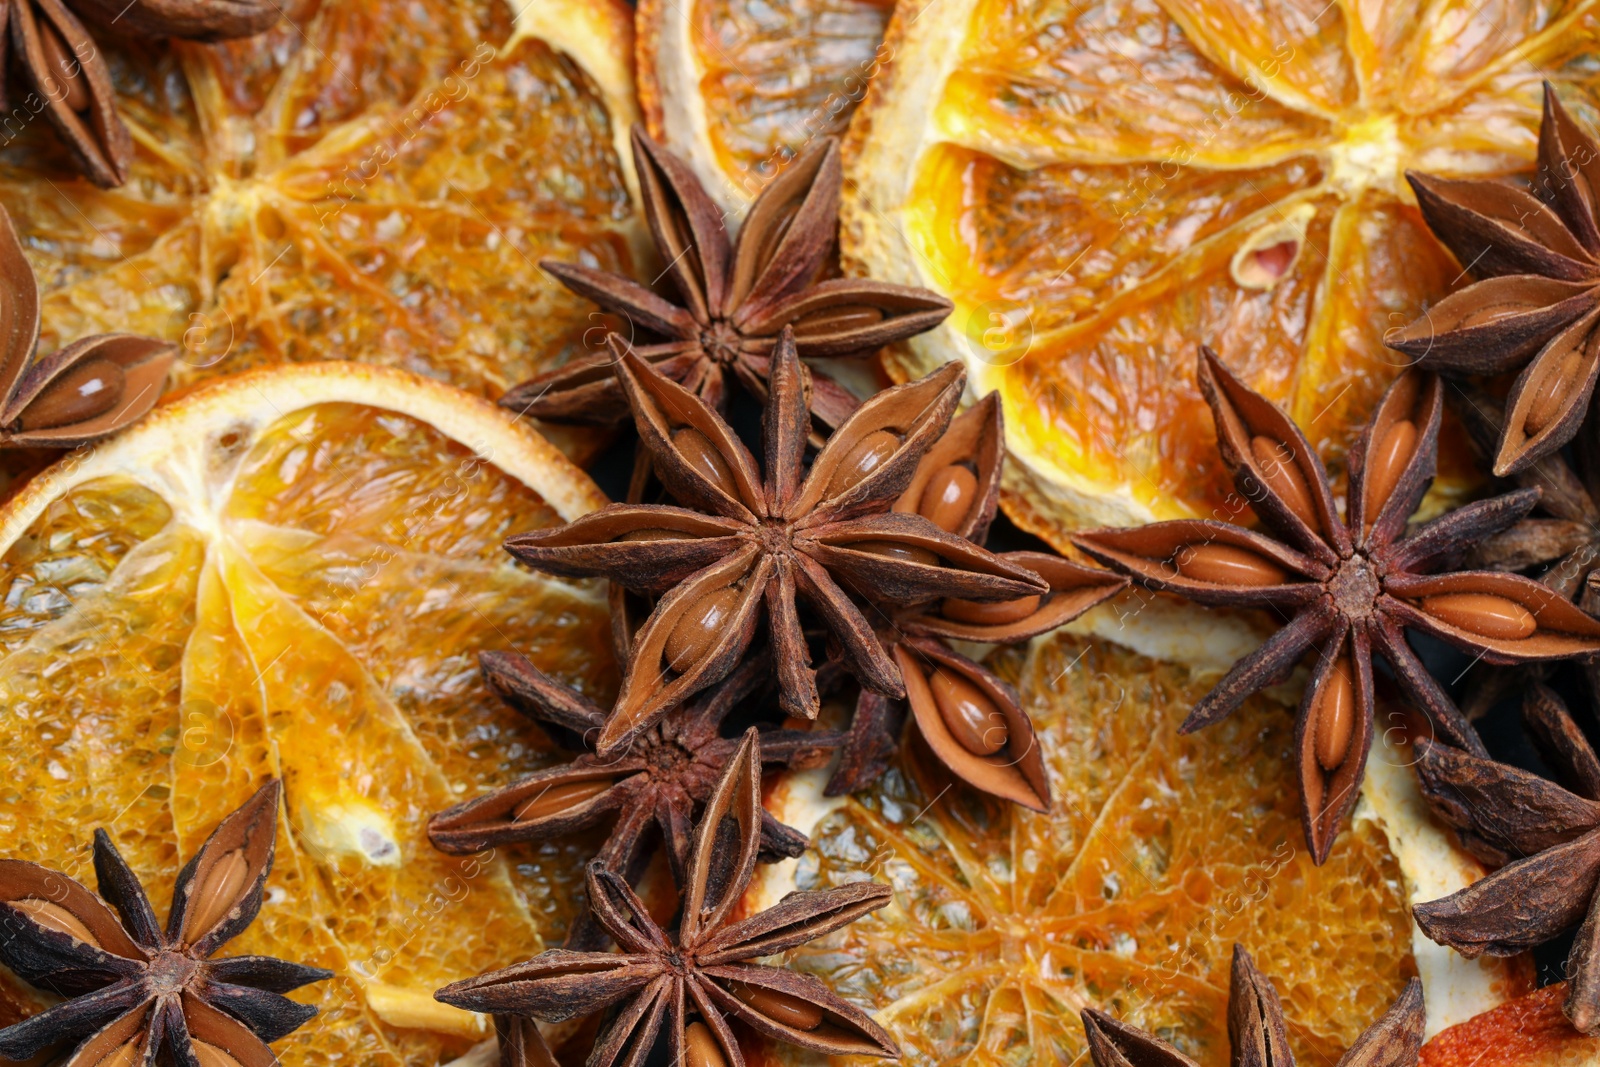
x: 1349, y: 587
x: 1257, y: 1033
x: 79, y: 392
x: 69, y: 77
x: 140, y: 996
x: 693, y: 982
x: 734, y: 297
x: 662, y: 777
x: 1545, y: 841
x: 1537, y: 303
x: 969, y: 716
x: 744, y: 546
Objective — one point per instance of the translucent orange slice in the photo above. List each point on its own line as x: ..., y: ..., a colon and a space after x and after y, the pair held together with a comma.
x: 290, y: 573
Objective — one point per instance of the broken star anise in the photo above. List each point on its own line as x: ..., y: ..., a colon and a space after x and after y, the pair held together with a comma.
x: 70, y: 79
x: 1349, y: 587
x: 79, y: 392
x: 745, y: 546
x: 1257, y: 1033
x: 1545, y: 840
x: 662, y: 777
x: 692, y: 982
x: 141, y: 996
x: 1537, y: 304
x: 734, y: 297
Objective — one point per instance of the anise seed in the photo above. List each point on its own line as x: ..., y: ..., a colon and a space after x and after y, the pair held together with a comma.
x: 1226, y: 565
x: 896, y: 550
x: 216, y: 893
x: 54, y: 917
x: 1334, y: 715
x: 706, y: 460
x: 63, y: 66
x: 1482, y: 316
x: 974, y: 721
x: 998, y: 614
x: 698, y: 628
x: 654, y: 535
x: 127, y: 1055
x: 209, y: 1055
x: 836, y: 319
x: 700, y: 1048
x: 1552, y: 388
x: 1483, y: 614
x: 1283, y: 477
x: 788, y: 1010
x: 867, y: 456
x: 559, y: 798
x: 776, y: 232
x: 948, y: 497
x: 92, y: 388
x: 1387, y: 463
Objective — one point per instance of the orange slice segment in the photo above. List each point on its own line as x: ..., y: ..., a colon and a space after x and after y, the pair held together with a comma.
x: 290, y: 573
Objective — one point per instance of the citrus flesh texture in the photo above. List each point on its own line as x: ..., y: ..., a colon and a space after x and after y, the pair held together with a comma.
x: 1102, y: 187
x: 291, y: 573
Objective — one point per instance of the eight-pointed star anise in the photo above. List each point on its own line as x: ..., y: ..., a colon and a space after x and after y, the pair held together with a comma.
x: 734, y: 297
x: 1537, y: 305
x: 69, y: 77
x: 663, y: 776
x: 1257, y: 1033
x: 1348, y: 587
x: 81, y: 391
x: 743, y: 546
x: 693, y: 982
x: 1545, y: 841
x: 136, y: 991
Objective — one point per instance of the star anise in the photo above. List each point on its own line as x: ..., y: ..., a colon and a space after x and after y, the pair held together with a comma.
x: 970, y: 717
x: 139, y: 995
x: 744, y: 546
x: 81, y: 391
x: 691, y: 983
x: 1537, y: 303
x: 1349, y: 587
x: 735, y: 297
x: 662, y: 777
x: 1257, y: 1033
x: 1545, y: 840
x: 69, y: 77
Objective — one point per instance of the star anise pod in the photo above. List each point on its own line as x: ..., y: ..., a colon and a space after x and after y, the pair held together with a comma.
x: 1257, y: 1033
x: 662, y: 777
x: 745, y: 546
x: 691, y: 983
x: 139, y: 995
x: 1349, y: 587
x: 81, y: 391
x: 1537, y: 303
x: 1545, y: 839
x: 971, y: 718
x: 71, y: 83
x: 734, y: 297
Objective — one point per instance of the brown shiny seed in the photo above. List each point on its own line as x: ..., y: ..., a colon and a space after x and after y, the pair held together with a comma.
x: 696, y: 447
x: 91, y: 388
x: 1483, y: 614
x: 824, y: 321
x: 780, y: 1007
x: 867, y: 456
x: 698, y: 628
x: 1276, y: 463
x: 896, y: 550
x: 59, y: 62
x: 127, y: 1055
x: 1552, y: 389
x: 653, y: 535
x: 215, y: 893
x: 700, y: 1048
x: 974, y: 721
x: 1227, y: 565
x: 54, y: 917
x: 1334, y: 716
x: 1385, y: 465
x: 209, y: 1055
x: 1493, y: 313
x: 948, y: 497
x: 775, y: 234
x: 560, y: 798
x: 1006, y: 611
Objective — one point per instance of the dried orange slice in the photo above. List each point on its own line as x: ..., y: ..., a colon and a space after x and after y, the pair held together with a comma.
x: 290, y: 572
x: 1100, y: 187
x: 1159, y: 853
x: 738, y: 87
x: 1530, y: 1031
x: 371, y: 180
